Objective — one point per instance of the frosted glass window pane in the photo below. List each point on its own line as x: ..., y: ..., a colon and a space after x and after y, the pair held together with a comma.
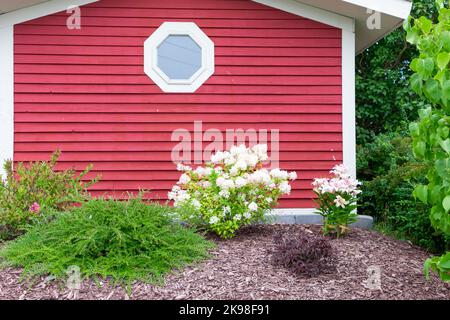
x: 179, y: 57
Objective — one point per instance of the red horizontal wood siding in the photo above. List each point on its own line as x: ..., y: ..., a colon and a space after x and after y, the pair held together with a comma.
x: 85, y: 92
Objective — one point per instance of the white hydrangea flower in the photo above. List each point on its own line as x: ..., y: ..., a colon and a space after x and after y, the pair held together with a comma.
x: 252, y: 160
x: 217, y: 157
x: 260, y: 176
x: 237, y: 217
x: 237, y: 150
x: 292, y: 175
x: 200, y: 171
x: 225, y: 184
x: 284, y: 187
x: 184, y: 179
x: 196, y: 203
x: 253, y: 206
x: 234, y: 170
x: 224, y: 193
x: 261, y: 151
x: 240, y: 182
x: 279, y: 174
x: 204, y: 184
x: 269, y: 200
x: 247, y: 215
x: 181, y: 167
x: 229, y: 161
x: 226, y: 210
x: 214, y: 220
x: 241, y: 164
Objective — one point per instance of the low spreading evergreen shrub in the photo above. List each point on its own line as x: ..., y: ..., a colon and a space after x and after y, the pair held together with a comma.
x: 125, y: 241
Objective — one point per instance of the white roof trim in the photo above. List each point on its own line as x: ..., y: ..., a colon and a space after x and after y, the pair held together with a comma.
x: 337, y: 13
x: 39, y: 10
x: 395, y: 8
x: 307, y: 11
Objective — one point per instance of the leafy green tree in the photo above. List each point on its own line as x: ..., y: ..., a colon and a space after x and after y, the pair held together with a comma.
x: 431, y: 134
x: 384, y: 101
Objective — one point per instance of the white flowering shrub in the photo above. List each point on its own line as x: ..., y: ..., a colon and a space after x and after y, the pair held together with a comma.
x: 230, y: 191
x: 336, y: 199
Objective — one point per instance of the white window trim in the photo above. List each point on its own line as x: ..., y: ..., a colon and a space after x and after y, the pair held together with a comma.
x: 158, y: 76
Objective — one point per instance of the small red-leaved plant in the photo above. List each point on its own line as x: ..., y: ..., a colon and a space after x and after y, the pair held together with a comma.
x: 304, y: 253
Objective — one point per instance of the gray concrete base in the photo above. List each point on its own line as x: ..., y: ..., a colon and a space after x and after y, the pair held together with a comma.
x: 293, y: 217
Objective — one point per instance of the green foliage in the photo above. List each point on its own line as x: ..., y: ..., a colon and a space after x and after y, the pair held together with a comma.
x: 440, y: 265
x: 387, y: 193
x: 32, y: 189
x: 431, y: 141
x: 384, y: 102
x: 126, y: 241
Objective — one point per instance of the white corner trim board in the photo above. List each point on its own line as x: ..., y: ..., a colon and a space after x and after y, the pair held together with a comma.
x: 6, y: 95
x: 348, y: 101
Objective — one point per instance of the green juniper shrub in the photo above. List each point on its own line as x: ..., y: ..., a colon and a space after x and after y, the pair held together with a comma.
x: 125, y: 241
x: 30, y: 190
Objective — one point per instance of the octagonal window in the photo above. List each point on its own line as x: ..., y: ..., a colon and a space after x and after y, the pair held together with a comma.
x: 179, y: 57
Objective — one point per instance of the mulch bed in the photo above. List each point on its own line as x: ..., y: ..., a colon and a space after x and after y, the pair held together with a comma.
x: 241, y: 269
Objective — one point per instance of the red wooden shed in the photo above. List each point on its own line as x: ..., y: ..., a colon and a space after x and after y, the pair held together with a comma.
x: 112, y: 82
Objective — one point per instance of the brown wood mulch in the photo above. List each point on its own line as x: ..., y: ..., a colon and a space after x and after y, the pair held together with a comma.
x: 241, y: 269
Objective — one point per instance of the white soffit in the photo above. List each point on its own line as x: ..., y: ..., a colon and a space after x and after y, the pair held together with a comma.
x: 12, y: 5
x: 393, y: 12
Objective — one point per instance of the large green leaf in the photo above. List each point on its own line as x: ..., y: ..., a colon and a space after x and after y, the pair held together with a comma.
x: 432, y: 90
x: 421, y: 193
x: 445, y: 144
x: 443, y: 59
x: 445, y: 40
x: 419, y: 149
x: 414, y: 129
x: 424, y: 24
x: 443, y: 168
x: 446, y: 203
x: 425, y: 67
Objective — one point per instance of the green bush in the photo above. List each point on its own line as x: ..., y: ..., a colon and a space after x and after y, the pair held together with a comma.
x: 31, y: 189
x: 388, y: 169
x: 126, y: 241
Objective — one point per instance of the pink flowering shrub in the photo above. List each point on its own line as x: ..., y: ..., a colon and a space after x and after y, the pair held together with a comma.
x: 28, y: 191
x: 336, y: 198
x: 232, y: 190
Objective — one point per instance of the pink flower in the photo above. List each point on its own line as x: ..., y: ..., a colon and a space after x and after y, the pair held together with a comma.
x: 340, y: 202
x: 35, y: 208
